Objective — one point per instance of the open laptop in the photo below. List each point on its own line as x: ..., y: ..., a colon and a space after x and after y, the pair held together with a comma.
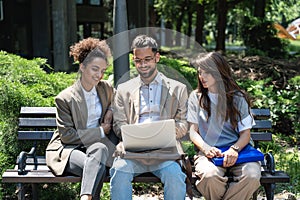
x: 149, y: 136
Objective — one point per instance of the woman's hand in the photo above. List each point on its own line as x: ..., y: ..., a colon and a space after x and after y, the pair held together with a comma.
x: 108, y: 117
x: 106, y: 128
x: 106, y: 125
x: 230, y: 157
x: 213, y: 152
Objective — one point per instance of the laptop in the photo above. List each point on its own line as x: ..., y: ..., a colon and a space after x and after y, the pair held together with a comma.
x: 149, y: 135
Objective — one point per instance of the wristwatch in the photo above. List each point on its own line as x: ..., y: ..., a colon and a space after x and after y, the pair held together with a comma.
x: 235, y: 147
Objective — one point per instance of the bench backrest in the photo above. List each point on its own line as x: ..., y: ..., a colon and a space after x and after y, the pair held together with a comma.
x: 39, y: 123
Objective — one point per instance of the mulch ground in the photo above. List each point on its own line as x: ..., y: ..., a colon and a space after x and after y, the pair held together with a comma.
x: 258, y: 68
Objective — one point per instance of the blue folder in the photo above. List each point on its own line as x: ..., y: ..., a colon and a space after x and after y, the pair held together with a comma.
x: 247, y: 154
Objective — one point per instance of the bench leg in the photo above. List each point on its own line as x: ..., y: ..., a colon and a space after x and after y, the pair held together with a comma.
x: 20, y: 191
x: 97, y: 194
x: 34, y: 187
x: 254, y: 196
x: 269, y: 189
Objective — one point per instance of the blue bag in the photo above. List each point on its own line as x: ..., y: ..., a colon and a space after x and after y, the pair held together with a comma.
x: 247, y: 154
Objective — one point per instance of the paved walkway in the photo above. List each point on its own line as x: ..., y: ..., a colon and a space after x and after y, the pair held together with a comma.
x: 149, y: 197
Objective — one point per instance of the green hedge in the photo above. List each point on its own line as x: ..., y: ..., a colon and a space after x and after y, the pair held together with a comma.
x: 23, y: 83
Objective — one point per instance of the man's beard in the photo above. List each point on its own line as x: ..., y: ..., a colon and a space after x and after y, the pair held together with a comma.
x: 147, y: 74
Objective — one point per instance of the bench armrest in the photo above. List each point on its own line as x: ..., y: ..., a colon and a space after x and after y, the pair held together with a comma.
x: 21, y: 161
x: 270, y: 163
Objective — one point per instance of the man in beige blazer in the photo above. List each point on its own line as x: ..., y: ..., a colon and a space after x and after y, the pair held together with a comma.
x: 149, y: 97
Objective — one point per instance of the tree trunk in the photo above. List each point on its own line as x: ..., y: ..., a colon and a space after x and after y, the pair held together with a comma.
x: 178, y: 29
x: 179, y: 24
x: 190, y: 18
x: 259, y: 8
x: 200, y: 23
x: 221, y: 25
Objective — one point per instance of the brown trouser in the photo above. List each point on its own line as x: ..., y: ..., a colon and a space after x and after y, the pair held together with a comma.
x: 214, y: 185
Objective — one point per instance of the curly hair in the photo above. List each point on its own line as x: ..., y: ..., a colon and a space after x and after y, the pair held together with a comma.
x: 87, y: 49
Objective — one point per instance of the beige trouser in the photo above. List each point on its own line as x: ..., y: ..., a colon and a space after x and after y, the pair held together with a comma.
x: 213, y: 183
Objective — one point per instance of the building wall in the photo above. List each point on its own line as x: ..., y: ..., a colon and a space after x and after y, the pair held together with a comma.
x: 35, y: 28
x: 46, y: 28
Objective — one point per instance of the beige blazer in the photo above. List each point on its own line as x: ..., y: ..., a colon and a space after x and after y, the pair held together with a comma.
x: 173, y: 104
x: 71, y: 121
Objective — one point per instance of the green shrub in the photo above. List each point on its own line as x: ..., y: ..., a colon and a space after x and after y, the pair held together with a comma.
x: 283, y: 103
x: 23, y: 83
x: 260, y: 38
x: 179, y: 69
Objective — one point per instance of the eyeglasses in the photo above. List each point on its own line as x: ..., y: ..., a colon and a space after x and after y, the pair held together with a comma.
x: 145, y: 60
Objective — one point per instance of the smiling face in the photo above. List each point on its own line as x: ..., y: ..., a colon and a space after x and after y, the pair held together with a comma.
x: 145, y: 62
x: 92, y: 72
x: 207, y: 80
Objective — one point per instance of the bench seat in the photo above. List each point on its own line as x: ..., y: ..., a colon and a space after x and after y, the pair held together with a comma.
x: 38, y: 124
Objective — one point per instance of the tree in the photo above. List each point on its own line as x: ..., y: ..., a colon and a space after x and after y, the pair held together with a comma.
x: 200, y: 22
x: 222, y: 8
x: 178, y: 13
x: 259, y: 8
x: 172, y: 13
x: 221, y: 24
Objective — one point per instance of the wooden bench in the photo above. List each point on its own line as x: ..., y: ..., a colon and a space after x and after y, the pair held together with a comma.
x: 37, y: 124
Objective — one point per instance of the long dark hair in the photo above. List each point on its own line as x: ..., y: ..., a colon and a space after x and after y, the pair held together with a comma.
x: 216, y: 65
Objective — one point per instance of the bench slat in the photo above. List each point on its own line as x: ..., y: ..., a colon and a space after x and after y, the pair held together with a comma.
x: 262, y: 124
x: 278, y: 177
x: 51, y: 123
x: 47, y: 135
x: 35, y: 135
x: 37, y: 122
x: 41, y: 160
x: 46, y: 176
x: 51, y: 111
x: 38, y: 111
x: 261, y: 113
x: 261, y: 136
x: 36, y: 176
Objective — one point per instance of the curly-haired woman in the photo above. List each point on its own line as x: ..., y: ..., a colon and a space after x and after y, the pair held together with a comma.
x: 80, y: 145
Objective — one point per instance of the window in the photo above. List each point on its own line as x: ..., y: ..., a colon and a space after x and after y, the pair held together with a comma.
x: 1, y: 10
x: 96, y: 2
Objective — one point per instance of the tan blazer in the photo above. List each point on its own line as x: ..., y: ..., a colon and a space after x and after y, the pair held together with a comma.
x: 71, y: 121
x: 173, y: 104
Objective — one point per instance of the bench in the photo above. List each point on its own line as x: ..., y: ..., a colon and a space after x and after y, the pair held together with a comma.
x: 37, y: 124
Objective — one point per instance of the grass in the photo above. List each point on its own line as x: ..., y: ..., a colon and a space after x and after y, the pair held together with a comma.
x: 295, y: 46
